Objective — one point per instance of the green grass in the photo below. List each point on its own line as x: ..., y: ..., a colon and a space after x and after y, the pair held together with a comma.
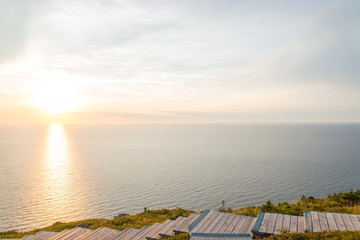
x: 348, y: 202
x: 346, y: 235
x: 135, y: 221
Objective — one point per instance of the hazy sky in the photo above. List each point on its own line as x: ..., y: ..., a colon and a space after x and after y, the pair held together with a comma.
x: 179, y: 61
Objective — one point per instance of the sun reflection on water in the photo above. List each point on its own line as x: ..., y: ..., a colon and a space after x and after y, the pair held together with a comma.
x: 58, y: 168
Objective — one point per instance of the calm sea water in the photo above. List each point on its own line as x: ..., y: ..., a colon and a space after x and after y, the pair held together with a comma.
x: 64, y: 173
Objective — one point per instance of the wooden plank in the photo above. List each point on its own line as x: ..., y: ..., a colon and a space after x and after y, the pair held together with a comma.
x: 265, y: 222
x: 207, y: 223
x: 248, y: 231
x: 315, y: 221
x: 271, y: 226
x: 301, y: 224
x: 286, y: 223
x: 293, y: 224
x: 308, y: 222
x: 169, y: 232
x: 156, y: 229
x: 220, y: 223
x: 142, y: 235
x: 203, y: 218
x: 348, y: 224
x: 246, y: 225
x: 213, y: 224
x: 232, y: 225
x: 323, y: 222
x: 239, y: 224
x: 278, y: 224
x: 60, y: 234
x: 185, y: 226
x: 226, y: 223
x: 84, y: 235
x: 155, y: 234
x: 141, y: 230
x: 258, y: 222
x: 339, y: 222
x: 331, y: 221
x: 125, y: 235
x: 355, y: 221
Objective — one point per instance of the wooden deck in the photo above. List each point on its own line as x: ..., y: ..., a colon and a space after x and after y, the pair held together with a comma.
x: 325, y: 222
x: 213, y: 224
x: 272, y: 223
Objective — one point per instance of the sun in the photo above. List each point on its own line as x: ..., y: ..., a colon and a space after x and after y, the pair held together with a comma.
x: 56, y: 98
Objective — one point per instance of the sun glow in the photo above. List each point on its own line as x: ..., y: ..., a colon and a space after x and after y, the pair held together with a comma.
x: 56, y: 98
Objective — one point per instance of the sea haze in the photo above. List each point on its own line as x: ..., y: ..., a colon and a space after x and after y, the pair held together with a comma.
x: 65, y: 173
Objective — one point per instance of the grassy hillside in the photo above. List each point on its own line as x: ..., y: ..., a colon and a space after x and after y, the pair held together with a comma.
x: 348, y: 202
x: 149, y: 217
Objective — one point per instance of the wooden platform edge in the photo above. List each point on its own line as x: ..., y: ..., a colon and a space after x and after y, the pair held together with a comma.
x: 235, y: 235
x: 192, y: 225
x: 258, y: 222
x: 308, y: 222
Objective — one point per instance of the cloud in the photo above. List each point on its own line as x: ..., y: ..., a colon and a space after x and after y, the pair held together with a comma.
x: 13, y: 16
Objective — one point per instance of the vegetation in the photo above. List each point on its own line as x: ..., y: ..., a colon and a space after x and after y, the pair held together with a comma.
x: 346, y: 235
x: 148, y: 217
x: 348, y: 202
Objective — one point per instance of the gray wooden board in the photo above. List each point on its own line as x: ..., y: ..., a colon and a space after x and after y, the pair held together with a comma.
x: 166, y: 224
x: 94, y: 233
x: 213, y: 224
x: 239, y: 224
x: 331, y: 221
x: 301, y: 224
x: 264, y: 223
x: 207, y: 222
x: 170, y: 229
x: 185, y: 226
x: 232, y: 225
x: 203, y: 221
x: 348, y: 224
x: 226, y: 223
x: 28, y: 237
x: 84, y: 235
x: 315, y: 221
x: 246, y: 224
x: 44, y: 235
x: 220, y: 223
x: 177, y: 225
x: 271, y: 226
x: 74, y: 234
x: 355, y: 221
x: 323, y: 222
x: 136, y: 233
x: 248, y: 231
x: 278, y: 224
x: 293, y: 224
x: 142, y: 235
x: 339, y: 222
x: 60, y: 234
x: 103, y: 231
x: 129, y: 234
x: 286, y: 223
x: 110, y: 235
x: 155, y: 230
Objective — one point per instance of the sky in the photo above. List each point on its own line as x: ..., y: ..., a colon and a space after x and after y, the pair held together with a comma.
x: 166, y: 61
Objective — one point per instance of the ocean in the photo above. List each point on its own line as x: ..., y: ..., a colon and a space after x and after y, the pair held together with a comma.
x: 72, y: 172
